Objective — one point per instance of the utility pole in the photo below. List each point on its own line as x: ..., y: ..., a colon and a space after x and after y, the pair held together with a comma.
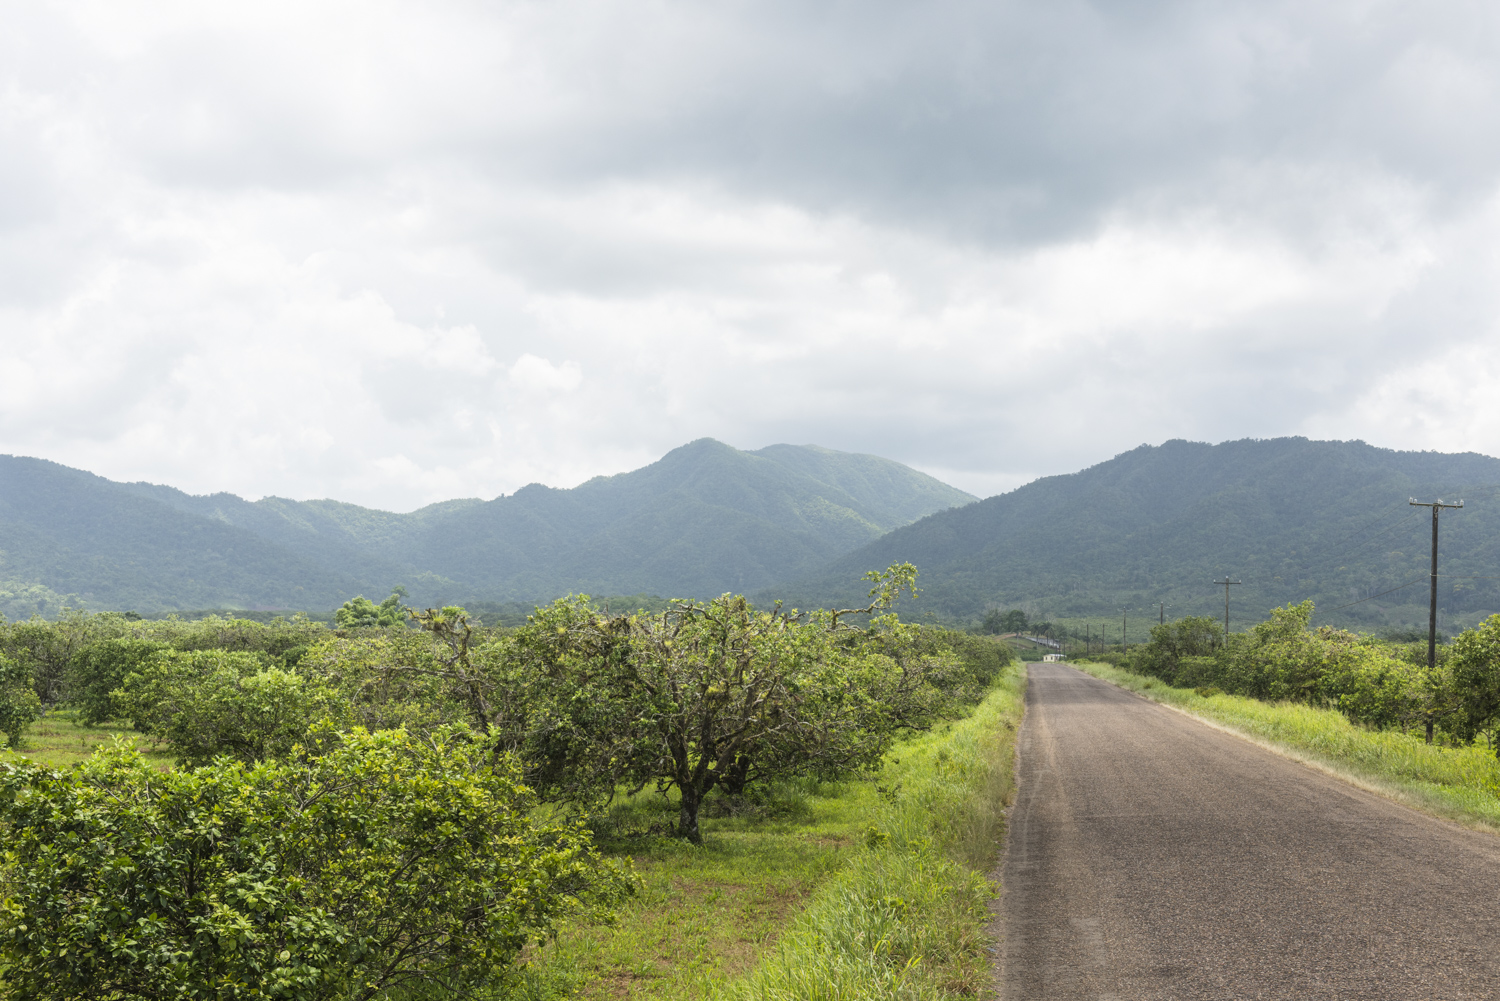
x: 1226, y: 582
x: 1161, y: 613
x: 1436, y: 506
x: 1124, y: 618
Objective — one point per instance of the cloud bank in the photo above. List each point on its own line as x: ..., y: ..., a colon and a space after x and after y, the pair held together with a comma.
x: 394, y: 253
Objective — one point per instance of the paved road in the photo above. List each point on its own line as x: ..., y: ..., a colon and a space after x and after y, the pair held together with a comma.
x: 1151, y: 856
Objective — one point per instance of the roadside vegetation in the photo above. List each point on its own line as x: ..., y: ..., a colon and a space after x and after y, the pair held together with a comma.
x: 1368, y: 708
x: 658, y: 804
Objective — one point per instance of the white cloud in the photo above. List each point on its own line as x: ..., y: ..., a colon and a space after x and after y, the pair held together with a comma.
x: 394, y: 253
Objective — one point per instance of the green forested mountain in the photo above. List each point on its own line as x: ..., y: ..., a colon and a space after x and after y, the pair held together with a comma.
x: 705, y: 519
x: 1291, y: 518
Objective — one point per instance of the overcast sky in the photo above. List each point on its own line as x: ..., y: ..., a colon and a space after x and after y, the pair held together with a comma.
x: 394, y: 253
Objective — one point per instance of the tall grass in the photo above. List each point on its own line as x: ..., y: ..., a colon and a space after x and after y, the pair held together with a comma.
x: 1457, y: 782
x: 906, y: 917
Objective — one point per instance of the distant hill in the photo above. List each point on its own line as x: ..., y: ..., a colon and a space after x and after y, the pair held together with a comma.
x: 1289, y: 517
x: 705, y: 519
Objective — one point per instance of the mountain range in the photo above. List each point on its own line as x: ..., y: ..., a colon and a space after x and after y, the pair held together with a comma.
x: 1288, y: 518
x: 705, y: 519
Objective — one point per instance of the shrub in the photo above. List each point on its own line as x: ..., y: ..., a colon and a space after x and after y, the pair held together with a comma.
x: 99, y: 670
x: 366, y: 864
x: 19, y: 704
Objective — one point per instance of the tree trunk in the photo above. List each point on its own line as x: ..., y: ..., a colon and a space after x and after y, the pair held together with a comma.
x: 1429, y: 729
x: 687, y: 816
x: 733, y: 781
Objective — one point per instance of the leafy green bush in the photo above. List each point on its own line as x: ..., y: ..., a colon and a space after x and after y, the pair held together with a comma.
x: 1375, y: 684
x: 19, y: 704
x: 367, y: 863
x: 99, y: 670
x: 154, y: 693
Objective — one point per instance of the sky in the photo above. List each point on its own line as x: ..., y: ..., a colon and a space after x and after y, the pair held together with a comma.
x: 395, y: 253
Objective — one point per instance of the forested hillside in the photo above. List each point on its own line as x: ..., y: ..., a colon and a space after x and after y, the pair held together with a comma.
x: 705, y: 519
x: 1289, y: 517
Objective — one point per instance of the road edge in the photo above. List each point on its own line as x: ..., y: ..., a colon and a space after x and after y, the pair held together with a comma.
x: 1409, y: 795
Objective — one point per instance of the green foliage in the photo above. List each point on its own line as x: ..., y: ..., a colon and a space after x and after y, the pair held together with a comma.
x: 364, y: 865
x: 19, y: 704
x: 360, y: 612
x: 1475, y: 669
x: 81, y: 659
x: 251, y: 717
x: 46, y: 649
x: 1283, y: 659
x: 99, y: 670
x: 997, y: 622
x: 205, y: 703
x: 709, y: 695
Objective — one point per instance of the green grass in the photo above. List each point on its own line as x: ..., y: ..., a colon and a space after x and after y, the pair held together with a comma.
x: 59, y: 739
x: 907, y: 917
x: 1460, y: 783
x: 857, y: 889
x: 705, y: 913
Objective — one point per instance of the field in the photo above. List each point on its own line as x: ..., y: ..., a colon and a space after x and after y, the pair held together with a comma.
x: 59, y: 739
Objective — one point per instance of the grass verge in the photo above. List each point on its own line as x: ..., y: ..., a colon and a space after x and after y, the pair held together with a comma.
x: 905, y: 918
x: 1458, y: 783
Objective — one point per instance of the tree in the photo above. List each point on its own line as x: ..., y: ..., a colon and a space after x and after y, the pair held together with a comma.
x: 365, y: 864
x: 697, y: 697
x: 1174, y: 642
x: 99, y: 671
x: 359, y: 611
x: 719, y: 694
x: 46, y: 649
x: 1475, y: 667
x: 19, y: 704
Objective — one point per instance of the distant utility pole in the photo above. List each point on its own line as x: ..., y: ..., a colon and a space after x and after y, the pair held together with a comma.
x: 1436, y: 506
x: 1124, y: 618
x: 1226, y: 582
x: 1161, y: 613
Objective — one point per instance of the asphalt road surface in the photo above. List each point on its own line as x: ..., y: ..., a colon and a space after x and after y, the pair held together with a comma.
x: 1151, y: 856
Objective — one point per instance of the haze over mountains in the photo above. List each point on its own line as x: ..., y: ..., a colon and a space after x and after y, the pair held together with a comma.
x: 1289, y: 517
x: 705, y: 519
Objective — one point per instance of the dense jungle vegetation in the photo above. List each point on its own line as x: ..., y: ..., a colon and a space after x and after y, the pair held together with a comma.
x: 405, y: 804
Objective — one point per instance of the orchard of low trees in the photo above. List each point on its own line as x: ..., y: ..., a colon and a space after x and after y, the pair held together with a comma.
x: 403, y: 804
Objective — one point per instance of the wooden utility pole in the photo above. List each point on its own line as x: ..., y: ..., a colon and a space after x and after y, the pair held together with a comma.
x: 1161, y: 613
x: 1436, y: 506
x: 1226, y: 582
x: 1124, y: 618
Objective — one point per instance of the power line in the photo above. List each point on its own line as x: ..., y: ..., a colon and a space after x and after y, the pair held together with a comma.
x: 1374, y: 596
